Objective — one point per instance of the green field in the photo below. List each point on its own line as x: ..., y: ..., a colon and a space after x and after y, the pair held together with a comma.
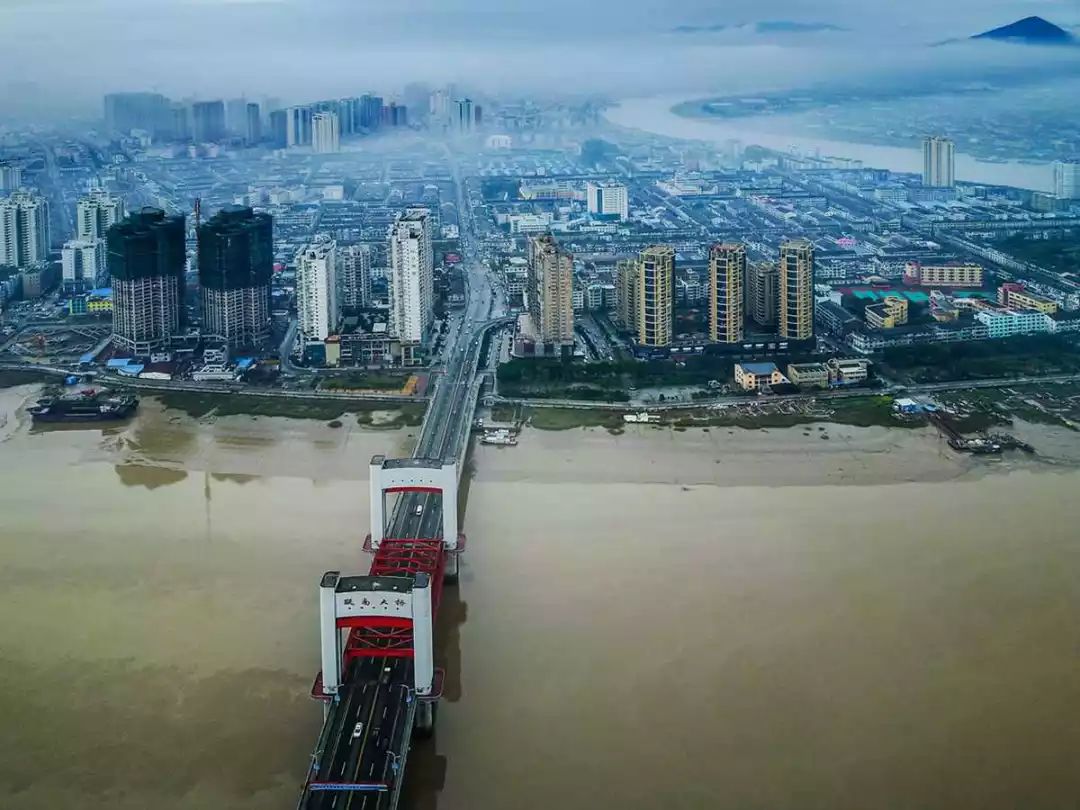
x: 199, y: 405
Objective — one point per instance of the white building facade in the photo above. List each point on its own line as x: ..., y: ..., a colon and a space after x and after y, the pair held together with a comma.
x: 607, y: 199
x: 1067, y: 179
x: 325, y: 133
x: 83, y: 263
x: 411, y: 287
x: 939, y: 162
x: 24, y: 229
x: 317, y: 290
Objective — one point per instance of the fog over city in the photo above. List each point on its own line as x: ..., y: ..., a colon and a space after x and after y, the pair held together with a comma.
x: 290, y: 48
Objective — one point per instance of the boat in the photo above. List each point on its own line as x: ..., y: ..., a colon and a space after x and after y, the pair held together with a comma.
x: 85, y: 406
x: 499, y: 437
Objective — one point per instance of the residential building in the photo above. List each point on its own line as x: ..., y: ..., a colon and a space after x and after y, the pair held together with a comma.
x: 146, y: 261
x: 550, y: 292
x: 127, y: 111
x: 411, y: 283
x: 279, y: 129
x: 24, y: 229
x: 1067, y: 179
x: 607, y: 199
x: 809, y: 375
x: 208, y: 121
x: 96, y: 213
x: 758, y: 376
x: 236, y: 261
x: 81, y: 262
x: 944, y: 275
x: 1014, y: 296
x: 252, y: 124
x: 796, y: 311
x: 465, y: 115
x: 763, y: 293
x: 354, y: 275
x: 370, y: 111
x: 298, y: 126
x: 1002, y: 323
x: 890, y: 313
x: 316, y: 290
x: 325, y: 133
x: 626, y: 285
x: 834, y: 319
x: 727, y: 269
x: 939, y: 162
x: 10, y: 176
x: 656, y: 296
x: 848, y: 371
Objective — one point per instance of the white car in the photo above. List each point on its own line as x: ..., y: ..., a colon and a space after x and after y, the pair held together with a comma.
x: 419, y: 510
x: 358, y: 731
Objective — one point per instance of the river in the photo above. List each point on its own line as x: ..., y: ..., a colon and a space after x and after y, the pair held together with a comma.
x: 730, y: 619
x: 655, y: 115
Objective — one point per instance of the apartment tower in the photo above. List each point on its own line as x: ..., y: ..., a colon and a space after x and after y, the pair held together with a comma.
x: 727, y: 269
x: 656, y: 296
x: 796, y: 315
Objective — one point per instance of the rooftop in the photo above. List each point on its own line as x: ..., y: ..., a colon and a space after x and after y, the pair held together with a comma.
x: 759, y: 368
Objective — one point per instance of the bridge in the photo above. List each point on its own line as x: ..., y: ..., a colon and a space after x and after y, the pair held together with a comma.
x: 378, y: 680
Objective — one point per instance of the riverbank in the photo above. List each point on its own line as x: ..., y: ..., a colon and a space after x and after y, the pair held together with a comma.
x: 657, y: 115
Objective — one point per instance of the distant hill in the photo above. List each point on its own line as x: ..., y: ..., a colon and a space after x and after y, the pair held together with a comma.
x: 766, y: 27
x: 1031, y: 31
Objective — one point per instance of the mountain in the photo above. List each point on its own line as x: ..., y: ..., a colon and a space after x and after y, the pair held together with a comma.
x: 1030, y: 31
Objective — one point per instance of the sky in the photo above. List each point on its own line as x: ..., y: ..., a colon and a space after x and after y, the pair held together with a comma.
x: 63, y: 54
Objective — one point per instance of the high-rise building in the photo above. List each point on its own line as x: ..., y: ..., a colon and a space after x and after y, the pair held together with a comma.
x: 396, y: 115
x: 208, y: 121
x: 236, y: 116
x: 325, y: 133
x: 147, y: 260
x: 354, y: 275
x: 727, y: 269
x: 656, y: 296
x: 298, y: 126
x: 81, y: 261
x: 148, y: 111
x: 439, y: 107
x: 179, y: 116
x: 550, y: 290
x: 252, y: 124
x: 370, y: 111
x: 317, y: 290
x: 96, y: 212
x: 10, y: 175
x: 349, y: 115
x: 465, y: 115
x: 279, y: 128
x: 762, y: 293
x: 796, y: 312
x: 939, y: 162
x: 411, y: 287
x: 626, y: 284
x: 415, y: 96
x: 236, y: 261
x: 24, y: 229
x: 478, y: 116
x: 607, y: 199
x: 1067, y: 179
